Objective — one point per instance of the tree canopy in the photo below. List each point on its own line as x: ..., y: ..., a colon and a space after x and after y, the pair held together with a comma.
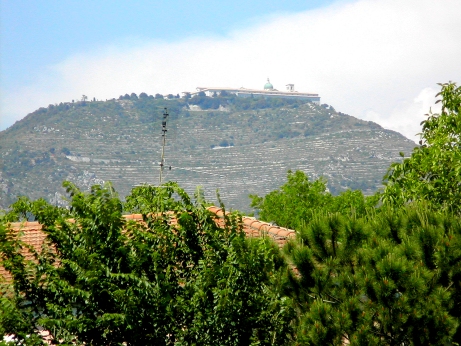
x: 433, y: 171
x: 384, y: 269
x: 299, y: 199
x: 175, y: 278
x: 389, y: 279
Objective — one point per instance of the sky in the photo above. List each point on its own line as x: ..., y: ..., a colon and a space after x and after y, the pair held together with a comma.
x: 377, y: 60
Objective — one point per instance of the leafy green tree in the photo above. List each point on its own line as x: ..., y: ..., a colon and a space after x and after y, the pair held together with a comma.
x: 433, y: 171
x: 175, y: 278
x: 295, y: 200
x: 298, y: 200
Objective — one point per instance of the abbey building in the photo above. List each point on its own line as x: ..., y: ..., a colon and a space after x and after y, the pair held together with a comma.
x: 267, y: 91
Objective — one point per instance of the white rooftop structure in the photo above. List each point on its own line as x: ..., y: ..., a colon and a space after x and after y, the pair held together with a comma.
x: 267, y: 91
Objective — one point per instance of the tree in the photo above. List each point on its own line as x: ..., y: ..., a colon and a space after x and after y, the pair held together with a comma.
x: 295, y: 200
x: 433, y: 171
x: 381, y: 276
x: 367, y: 275
x: 158, y: 96
x: 298, y: 200
x: 143, y: 95
x: 175, y: 278
x: 389, y: 279
x: 84, y: 98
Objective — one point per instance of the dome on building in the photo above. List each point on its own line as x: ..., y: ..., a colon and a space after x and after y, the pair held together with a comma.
x: 268, y: 85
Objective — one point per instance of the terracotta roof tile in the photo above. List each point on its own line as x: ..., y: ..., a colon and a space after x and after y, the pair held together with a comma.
x: 248, y: 221
x: 133, y: 217
x: 255, y: 228
x: 33, y: 235
x: 214, y: 209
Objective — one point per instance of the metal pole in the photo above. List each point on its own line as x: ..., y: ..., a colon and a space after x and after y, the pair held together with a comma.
x: 164, y: 130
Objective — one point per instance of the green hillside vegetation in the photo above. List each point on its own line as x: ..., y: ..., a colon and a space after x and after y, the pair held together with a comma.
x: 240, y: 146
x: 377, y: 270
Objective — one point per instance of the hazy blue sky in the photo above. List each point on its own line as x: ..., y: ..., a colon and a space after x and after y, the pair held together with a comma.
x: 375, y: 59
x: 38, y: 33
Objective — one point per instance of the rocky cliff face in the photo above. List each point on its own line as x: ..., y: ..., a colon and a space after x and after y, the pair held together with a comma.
x: 236, y: 150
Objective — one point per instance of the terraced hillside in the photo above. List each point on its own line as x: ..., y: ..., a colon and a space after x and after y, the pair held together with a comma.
x: 240, y: 148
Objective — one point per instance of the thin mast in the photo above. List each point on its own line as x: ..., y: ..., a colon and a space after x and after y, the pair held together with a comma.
x: 164, y: 130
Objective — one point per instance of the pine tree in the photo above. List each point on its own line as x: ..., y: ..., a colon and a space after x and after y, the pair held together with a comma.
x: 389, y: 279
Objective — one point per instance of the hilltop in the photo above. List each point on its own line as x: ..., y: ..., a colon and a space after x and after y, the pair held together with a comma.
x: 241, y: 146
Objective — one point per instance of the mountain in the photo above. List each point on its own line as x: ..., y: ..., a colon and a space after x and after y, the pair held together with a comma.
x: 239, y: 146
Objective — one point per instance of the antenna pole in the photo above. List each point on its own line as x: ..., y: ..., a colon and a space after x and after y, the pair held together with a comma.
x: 164, y: 130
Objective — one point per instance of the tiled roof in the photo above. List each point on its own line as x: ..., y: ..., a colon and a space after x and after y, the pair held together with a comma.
x: 33, y: 235
x: 255, y: 228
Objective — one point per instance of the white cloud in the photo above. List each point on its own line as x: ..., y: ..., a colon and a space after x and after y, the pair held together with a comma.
x: 377, y: 60
x: 407, y: 115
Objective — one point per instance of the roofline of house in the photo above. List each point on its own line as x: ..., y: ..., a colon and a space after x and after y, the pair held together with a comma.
x: 257, y: 227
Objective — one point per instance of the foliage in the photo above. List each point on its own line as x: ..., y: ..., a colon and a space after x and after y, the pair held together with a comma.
x: 390, y: 279
x: 175, y: 278
x: 380, y: 276
x: 298, y: 200
x: 433, y: 171
x: 367, y: 275
x: 20, y: 321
